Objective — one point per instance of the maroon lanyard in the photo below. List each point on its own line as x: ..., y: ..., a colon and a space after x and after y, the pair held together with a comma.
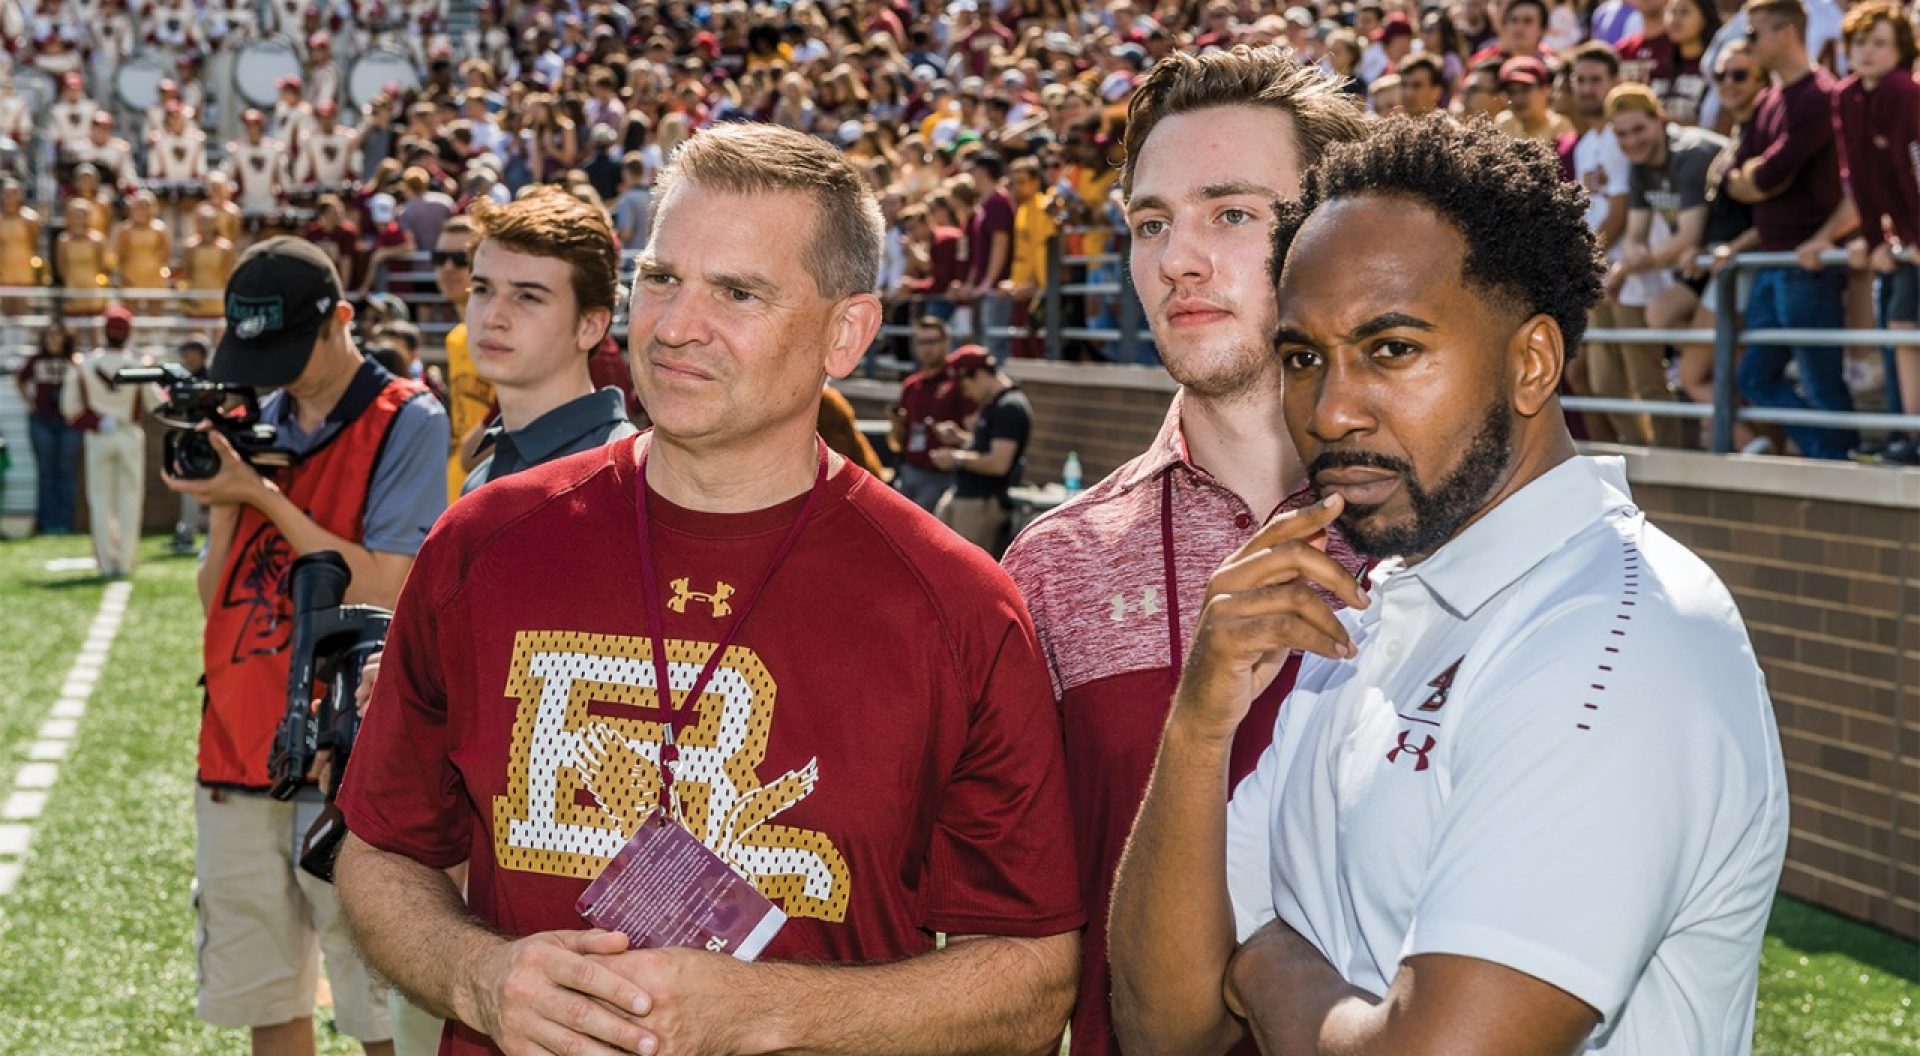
x: 656, y: 617
x: 1174, y: 657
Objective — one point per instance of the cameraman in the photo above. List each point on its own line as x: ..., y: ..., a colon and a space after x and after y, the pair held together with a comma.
x: 367, y: 480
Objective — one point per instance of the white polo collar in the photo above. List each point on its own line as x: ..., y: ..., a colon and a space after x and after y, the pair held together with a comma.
x: 1515, y: 536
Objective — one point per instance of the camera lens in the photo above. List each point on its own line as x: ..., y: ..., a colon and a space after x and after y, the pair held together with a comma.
x: 191, y: 456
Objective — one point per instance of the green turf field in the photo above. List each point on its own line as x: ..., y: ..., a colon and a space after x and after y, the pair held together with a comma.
x: 95, y: 941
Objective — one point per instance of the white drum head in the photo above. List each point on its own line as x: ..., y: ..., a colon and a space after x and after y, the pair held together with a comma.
x: 258, y: 68
x: 375, y: 70
x: 137, y: 83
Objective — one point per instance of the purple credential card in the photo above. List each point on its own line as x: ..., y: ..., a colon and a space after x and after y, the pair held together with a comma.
x: 666, y: 889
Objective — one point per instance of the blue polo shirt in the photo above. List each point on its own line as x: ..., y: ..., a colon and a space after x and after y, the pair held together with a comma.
x: 409, y: 487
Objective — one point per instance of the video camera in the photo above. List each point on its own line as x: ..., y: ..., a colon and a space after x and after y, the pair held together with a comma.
x: 192, y: 400
x: 330, y: 642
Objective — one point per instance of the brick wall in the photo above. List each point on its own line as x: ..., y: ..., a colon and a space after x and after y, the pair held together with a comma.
x: 1106, y: 414
x: 1823, y: 559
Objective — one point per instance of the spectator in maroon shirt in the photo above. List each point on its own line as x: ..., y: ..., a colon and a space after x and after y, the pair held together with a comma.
x: 1878, y: 110
x: 976, y: 37
x: 990, y: 245
x: 929, y: 399
x: 940, y: 246
x: 1665, y: 56
x: 1788, y: 168
x: 1647, y: 55
x: 337, y: 237
x: 56, y: 442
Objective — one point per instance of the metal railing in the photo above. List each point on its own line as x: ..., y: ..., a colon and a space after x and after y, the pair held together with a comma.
x: 1067, y: 277
x: 1728, y: 337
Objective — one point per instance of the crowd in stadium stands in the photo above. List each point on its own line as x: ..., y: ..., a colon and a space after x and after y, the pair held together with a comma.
x: 162, y: 136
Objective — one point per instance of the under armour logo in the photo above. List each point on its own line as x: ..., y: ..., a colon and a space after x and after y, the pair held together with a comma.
x: 1419, y: 752
x: 1441, y: 687
x: 718, y: 599
x: 1118, y: 608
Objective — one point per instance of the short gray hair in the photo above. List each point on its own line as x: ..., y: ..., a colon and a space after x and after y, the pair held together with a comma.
x: 745, y: 158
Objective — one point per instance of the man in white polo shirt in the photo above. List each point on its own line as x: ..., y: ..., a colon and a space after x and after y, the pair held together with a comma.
x: 1527, y: 794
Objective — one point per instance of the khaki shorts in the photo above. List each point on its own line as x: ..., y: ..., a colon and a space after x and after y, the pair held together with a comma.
x: 978, y: 521
x: 261, y: 923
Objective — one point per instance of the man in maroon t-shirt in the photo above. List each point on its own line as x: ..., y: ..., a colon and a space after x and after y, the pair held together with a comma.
x: 977, y: 36
x: 337, y: 237
x: 929, y: 398
x: 56, y: 443
x: 1788, y: 168
x: 1116, y: 578
x: 860, y: 724
x: 990, y: 243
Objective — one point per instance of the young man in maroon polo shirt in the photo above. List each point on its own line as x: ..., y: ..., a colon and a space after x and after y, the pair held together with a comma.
x: 1115, y: 578
x: 860, y: 722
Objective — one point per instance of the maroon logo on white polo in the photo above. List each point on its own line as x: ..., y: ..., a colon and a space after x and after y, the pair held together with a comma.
x: 1418, y: 751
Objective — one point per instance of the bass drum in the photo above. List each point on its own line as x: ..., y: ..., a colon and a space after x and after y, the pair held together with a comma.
x: 137, y: 83
x: 375, y: 70
x: 259, y: 67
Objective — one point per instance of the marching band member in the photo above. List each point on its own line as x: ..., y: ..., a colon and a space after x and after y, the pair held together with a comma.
x: 322, y: 70
x: 206, y: 261
x: 16, y: 112
x: 325, y: 161
x: 20, y: 227
x: 193, y: 92
x: 292, y: 116
x: 177, y: 154
x: 71, y: 115
x: 229, y: 218
x: 155, y: 119
x: 143, y: 248
x: 111, y: 156
x: 84, y: 268
x: 98, y: 199
x: 258, y: 165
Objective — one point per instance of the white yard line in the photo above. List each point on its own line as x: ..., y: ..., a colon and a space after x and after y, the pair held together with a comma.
x: 22, y: 808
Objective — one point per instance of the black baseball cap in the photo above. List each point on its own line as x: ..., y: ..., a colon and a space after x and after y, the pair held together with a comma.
x: 278, y: 298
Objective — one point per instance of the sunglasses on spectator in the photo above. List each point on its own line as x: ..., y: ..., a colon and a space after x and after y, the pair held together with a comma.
x: 1736, y: 76
x: 458, y: 258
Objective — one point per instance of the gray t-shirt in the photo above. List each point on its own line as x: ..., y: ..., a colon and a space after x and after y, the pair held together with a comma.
x: 423, y: 217
x: 1681, y: 183
x: 630, y: 216
x: 409, y: 487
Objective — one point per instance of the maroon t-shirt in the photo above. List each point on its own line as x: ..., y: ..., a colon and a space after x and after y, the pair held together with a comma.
x: 878, y: 750
x: 977, y: 46
x: 930, y: 396
x: 994, y: 215
x: 948, y: 265
x: 1792, y: 132
x: 41, y: 377
x: 341, y: 244
x: 1879, y: 139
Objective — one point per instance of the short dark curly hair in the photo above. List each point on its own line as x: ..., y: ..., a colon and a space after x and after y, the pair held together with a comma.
x: 1526, y: 231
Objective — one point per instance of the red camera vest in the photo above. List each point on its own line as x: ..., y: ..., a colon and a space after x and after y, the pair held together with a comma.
x: 250, y: 623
